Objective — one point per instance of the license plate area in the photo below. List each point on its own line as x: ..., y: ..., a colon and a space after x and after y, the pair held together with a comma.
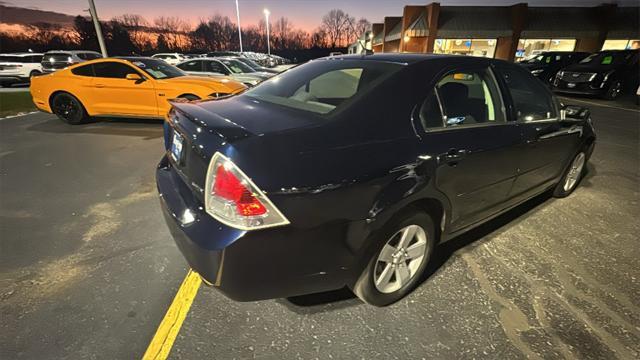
x: 177, y: 145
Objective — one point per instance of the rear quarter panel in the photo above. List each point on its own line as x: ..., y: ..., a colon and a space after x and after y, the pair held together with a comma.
x: 44, y: 86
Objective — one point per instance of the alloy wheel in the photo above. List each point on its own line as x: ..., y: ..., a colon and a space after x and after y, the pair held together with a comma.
x: 66, y: 107
x: 400, y: 258
x: 616, y: 89
x: 574, y: 172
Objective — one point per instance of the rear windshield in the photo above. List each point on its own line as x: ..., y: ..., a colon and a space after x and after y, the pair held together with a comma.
x: 57, y: 57
x: 15, y: 59
x: 608, y: 58
x: 322, y: 86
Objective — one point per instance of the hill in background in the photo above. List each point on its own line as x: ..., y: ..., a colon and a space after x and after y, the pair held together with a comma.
x: 26, y: 16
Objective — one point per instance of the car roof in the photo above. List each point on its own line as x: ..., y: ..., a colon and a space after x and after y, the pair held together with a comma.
x: 20, y: 54
x: 399, y: 58
x: 71, y: 52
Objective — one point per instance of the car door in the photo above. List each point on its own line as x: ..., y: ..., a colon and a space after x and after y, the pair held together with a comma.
x: 192, y: 67
x: 547, y: 142
x: 475, y: 145
x: 113, y: 94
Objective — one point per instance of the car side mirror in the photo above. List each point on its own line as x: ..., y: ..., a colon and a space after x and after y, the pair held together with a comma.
x: 134, y: 77
x: 574, y: 113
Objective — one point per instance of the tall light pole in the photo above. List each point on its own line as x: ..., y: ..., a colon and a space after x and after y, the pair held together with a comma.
x: 266, y: 15
x: 96, y: 23
x: 239, y: 28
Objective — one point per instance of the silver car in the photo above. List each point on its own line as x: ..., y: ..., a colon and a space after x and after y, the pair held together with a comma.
x: 59, y: 59
x: 224, y: 66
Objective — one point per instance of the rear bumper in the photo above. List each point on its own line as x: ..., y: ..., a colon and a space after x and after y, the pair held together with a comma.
x: 13, y: 78
x: 252, y: 265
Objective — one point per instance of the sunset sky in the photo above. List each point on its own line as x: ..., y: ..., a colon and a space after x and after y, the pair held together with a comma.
x: 305, y: 14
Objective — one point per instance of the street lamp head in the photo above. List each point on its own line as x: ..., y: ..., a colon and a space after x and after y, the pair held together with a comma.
x: 266, y: 12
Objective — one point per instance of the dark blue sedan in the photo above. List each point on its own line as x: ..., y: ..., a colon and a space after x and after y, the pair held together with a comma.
x: 349, y: 170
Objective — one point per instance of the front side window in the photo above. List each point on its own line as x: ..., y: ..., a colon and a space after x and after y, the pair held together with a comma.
x: 609, y: 58
x: 237, y: 67
x: 113, y: 70
x: 322, y: 86
x: 531, y: 99
x: 91, y: 56
x: 463, y: 97
x: 195, y: 65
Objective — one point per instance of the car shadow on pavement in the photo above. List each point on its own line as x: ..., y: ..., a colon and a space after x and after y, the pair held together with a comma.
x: 144, y: 128
x: 343, y: 298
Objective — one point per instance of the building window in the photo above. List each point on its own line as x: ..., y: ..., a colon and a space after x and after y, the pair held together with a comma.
x: 621, y: 44
x: 528, y: 48
x: 473, y: 47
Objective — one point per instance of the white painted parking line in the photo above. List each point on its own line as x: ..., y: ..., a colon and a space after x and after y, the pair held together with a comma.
x: 19, y: 115
x: 599, y: 104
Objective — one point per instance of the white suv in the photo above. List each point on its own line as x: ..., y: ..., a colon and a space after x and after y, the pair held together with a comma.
x: 170, y: 58
x: 19, y: 67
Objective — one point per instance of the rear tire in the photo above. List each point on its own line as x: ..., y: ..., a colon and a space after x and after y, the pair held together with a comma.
x: 69, y: 109
x: 572, y: 175
x: 405, y: 246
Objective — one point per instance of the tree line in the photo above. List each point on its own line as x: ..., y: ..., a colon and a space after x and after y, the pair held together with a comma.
x: 132, y: 34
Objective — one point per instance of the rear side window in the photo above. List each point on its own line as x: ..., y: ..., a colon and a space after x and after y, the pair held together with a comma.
x: 532, y: 101
x: 191, y: 66
x: 463, y: 97
x: 85, y: 70
x: 112, y: 70
x: 91, y: 56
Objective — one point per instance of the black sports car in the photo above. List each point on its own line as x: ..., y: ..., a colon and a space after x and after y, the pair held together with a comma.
x: 546, y: 65
x: 349, y: 170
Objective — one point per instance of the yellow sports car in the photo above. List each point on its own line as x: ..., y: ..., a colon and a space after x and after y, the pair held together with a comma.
x: 122, y: 87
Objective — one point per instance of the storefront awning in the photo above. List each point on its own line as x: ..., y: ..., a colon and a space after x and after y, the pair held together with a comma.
x: 625, y: 24
x: 395, y: 33
x: 418, y: 27
x: 378, y: 38
x: 560, y: 22
x: 477, y: 22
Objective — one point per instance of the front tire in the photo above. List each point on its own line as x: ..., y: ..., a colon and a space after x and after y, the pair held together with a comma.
x: 572, y: 175
x: 614, y: 90
x: 69, y: 109
x: 404, y: 250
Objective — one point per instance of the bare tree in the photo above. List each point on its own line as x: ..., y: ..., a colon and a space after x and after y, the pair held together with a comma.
x: 173, y: 29
x: 137, y: 27
x: 336, y: 26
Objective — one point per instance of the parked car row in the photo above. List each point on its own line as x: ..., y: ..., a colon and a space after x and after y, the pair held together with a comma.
x: 122, y: 87
x: 20, y: 67
x: 606, y: 74
x: 229, y: 66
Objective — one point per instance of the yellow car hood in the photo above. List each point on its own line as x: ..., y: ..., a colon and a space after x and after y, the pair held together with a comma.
x: 214, y: 83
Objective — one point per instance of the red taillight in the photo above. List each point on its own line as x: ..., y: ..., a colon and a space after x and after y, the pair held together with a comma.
x: 234, y: 200
x: 229, y: 187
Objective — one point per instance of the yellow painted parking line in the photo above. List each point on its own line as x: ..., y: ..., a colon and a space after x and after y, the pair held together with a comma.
x: 167, y: 332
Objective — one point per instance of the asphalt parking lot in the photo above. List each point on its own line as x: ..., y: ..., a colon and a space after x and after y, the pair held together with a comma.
x: 88, y: 268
